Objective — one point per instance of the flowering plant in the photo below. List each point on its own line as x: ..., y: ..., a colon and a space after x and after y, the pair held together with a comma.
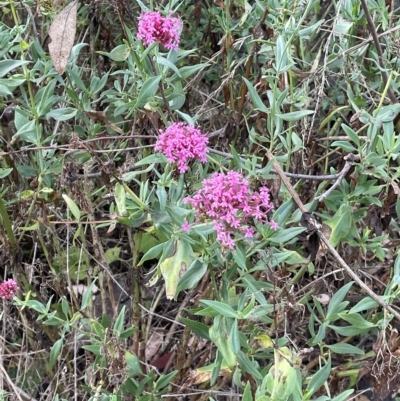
x: 180, y: 143
x: 8, y: 289
x: 227, y: 200
x: 153, y: 27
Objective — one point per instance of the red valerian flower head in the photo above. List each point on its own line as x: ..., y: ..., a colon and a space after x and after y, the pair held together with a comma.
x: 8, y: 289
x: 153, y: 27
x: 227, y: 200
x: 180, y: 143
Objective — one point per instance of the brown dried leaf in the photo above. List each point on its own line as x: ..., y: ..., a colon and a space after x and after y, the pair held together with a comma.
x: 96, y: 116
x: 395, y: 187
x: 200, y: 376
x: 62, y: 33
x: 154, y: 343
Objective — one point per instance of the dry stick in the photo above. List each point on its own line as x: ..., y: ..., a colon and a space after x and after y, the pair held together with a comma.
x: 372, y: 30
x: 293, y: 175
x: 332, y: 250
x: 20, y: 394
x: 349, y: 162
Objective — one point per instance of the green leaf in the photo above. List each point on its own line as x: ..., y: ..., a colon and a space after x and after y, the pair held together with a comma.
x: 342, y: 26
x: 234, y: 337
x: 72, y: 206
x: 119, y: 321
x: 348, y: 331
x: 165, y: 380
x: 344, y: 396
x: 248, y: 366
x: 257, y: 102
x: 198, y: 328
x: 147, y: 91
x: 340, y: 224
x: 4, y: 172
x: 365, y: 304
x: 152, y: 253
x: 163, y: 61
x: 112, y: 254
x: 388, y: 113
x: 221, y: 308
x: 343, y: 348
x: 175, y: 266
x: 99, y: 329
x: 7, y: 65
x: 295, y: 115
x: 87, y: 295
x: 127, y: 333
x: 132, y: 365
x: 334, y: 304
x: 282, y: 236
x: 28, y: 132
x: 247, y: 396
x: 120, y: 199
x: 319, y: 378
x: 120, y: 53
x: 62, y: 114
x: 356, y: 320
x: 240, y: 256
x: 189, y: 70
x: 194, y: 274
x: 345, y: 145
x: 281, y: 57
x: 219, y: 335
x: 94, y: 348
x: 309, y: 30
x: 351, y: 134
x: 55, y: 352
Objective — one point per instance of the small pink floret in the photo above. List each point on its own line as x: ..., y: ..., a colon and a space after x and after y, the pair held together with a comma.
x: 185, y: 226
x: 181, y: 143
x: 8, y: 289
x: 153, y: 27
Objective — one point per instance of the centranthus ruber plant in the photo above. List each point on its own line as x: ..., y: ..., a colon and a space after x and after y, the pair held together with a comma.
x: 8, y: 289
x: 228, y: 201
x: 153, y: 27
x: 181, y: 143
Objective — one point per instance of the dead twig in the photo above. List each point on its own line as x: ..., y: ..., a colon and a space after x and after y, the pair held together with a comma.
x: 20, y: 394
x: 349, y: 162
x: 292, y: 175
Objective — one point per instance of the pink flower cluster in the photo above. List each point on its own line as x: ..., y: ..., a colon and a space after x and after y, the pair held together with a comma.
x: 153, y: 27
x: 8, y: 289
x: 180, y: 143
x: 228, y: 201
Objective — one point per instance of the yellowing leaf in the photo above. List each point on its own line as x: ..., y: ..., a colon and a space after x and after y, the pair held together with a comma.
x: 174, y: 267
x: 62, y: 34
x: 265, y: 341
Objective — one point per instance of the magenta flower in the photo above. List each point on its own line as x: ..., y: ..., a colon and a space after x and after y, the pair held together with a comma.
x: 8, y: 289
x: 185, y: 226
x: 226, y: 199
x: 153, y: 27
x: 180, y: 143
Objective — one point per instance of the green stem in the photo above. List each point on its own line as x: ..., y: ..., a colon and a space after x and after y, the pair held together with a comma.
x: 7, y: 224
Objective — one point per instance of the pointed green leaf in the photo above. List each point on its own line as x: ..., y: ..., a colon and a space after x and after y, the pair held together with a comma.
x: 55, y: 352
x: 340, y: 224
x: 72, y: 206
x: 255, y: 98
